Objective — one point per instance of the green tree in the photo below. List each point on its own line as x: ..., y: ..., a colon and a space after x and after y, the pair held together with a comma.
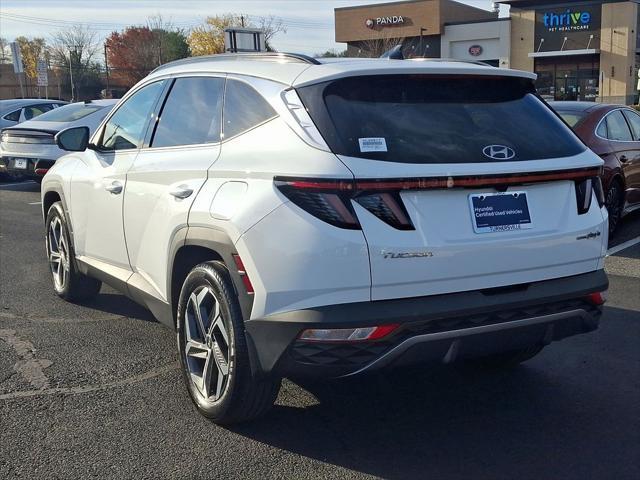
x: 332, y: 53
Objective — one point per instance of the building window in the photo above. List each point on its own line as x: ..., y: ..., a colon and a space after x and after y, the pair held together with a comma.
x: 575, y: 78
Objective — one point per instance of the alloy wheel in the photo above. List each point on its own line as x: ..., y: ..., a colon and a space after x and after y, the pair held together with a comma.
x: 207, y: 350
x: 58, y: 253
x: 614, y: 206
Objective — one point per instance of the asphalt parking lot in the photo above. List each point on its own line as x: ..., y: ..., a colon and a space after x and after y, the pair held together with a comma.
x: 95, y: 391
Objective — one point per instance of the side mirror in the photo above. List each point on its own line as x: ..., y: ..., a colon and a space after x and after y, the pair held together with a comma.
x: 75, y: 139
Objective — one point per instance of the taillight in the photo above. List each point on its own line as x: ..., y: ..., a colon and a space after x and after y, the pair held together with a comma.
x: 598, y: 190
x: 388, y: 207
x: 242, y: 271
x: 584, y: 191
x: 597, y: 298
x: 330, y: 201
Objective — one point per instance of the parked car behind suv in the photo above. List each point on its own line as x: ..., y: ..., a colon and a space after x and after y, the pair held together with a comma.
x: 28, y: 150
x: 19, y: 110
x: 612, y: 132
x: 293, y: 217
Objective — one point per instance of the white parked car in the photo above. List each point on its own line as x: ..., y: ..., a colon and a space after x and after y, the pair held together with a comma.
x: 19, y: 110
x: 288, y: 216
x: 29, y: 150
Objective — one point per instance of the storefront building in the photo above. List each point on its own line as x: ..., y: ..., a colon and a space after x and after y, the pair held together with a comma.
x: 420, y: 26
x: 581, y: 50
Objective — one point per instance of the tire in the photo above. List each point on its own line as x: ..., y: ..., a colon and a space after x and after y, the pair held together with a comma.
x: 68, y: 282
x: 507, y: 359
x: 614, y: 202
x: 213, y: 350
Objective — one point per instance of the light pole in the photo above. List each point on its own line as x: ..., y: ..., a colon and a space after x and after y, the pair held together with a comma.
x: 422, y: 30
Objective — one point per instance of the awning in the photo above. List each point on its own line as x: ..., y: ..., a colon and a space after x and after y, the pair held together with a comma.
x: 564, y: 53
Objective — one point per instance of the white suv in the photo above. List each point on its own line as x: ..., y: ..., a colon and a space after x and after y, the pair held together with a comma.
x: 289, y: 216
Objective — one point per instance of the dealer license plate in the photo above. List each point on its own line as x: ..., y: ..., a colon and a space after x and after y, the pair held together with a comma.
x: 500, y: 212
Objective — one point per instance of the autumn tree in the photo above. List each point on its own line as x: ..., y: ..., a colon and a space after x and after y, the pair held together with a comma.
x: 208, y: 38
x: 135, y: 51
x: 131, y: 54
x: 31, y: 51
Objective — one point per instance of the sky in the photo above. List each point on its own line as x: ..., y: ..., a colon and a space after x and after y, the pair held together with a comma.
x: 309, y: 23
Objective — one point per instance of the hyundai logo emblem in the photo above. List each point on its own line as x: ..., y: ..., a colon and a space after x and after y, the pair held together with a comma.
x: 498, y: 152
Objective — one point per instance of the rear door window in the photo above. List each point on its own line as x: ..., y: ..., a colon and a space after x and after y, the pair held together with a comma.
x: 634, y: 121
x: 244, y: 108
x: 36, y: 110
x: 617, y: 127
x: 436, y: 119
x: 192, y: 113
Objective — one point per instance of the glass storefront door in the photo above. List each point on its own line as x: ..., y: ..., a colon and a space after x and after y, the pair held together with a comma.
x: 568, y: 78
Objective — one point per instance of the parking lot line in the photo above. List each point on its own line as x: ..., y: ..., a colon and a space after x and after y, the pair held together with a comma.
x: 623, y: 246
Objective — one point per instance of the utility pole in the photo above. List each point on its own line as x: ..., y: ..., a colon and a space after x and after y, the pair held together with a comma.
x: 242, y: 20
x: 106, y: 68
x: 71, y: 76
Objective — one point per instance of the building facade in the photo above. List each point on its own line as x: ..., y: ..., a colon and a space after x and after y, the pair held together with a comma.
x: 419, y: 25
x: 580, y: 49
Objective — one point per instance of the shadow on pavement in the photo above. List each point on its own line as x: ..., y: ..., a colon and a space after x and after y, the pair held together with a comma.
x: 28, y: 186
x: 118, y: 304
x: 539, y: 420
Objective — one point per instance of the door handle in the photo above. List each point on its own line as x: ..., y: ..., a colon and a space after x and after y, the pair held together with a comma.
x: 623, y: 158
x: 181, y: 191
x: 115, y: 188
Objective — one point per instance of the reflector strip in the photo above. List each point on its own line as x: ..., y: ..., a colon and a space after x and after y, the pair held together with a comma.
x: 243, y: 274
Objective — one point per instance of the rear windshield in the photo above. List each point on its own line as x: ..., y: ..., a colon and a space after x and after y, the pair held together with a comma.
x: 437, y: 119
x: 572, y: 118
x: 69, y: 113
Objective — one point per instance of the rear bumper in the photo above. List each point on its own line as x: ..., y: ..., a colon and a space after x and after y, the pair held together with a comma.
x: 36, y: 167
x: 439, y: 328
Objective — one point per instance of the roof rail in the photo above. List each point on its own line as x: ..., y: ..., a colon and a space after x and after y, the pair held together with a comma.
x: 267, y: 56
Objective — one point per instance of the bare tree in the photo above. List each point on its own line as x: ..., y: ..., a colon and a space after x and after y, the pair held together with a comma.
x: 73, y: 51
x: 5, y: 57
x: 271, y: 26
x: 374, y: 47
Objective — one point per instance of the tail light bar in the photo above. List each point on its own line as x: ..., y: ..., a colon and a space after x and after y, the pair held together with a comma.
x: 330, y: 200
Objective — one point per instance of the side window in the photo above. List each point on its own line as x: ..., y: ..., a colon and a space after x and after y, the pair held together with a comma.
x: 127, y: 126
x: 617, y: 127
x: 13, y: 116
x: 192, y: 113
x: 244, y: 108
x: 634, y: 121
x: 33, y: 111
x: 602, y: 129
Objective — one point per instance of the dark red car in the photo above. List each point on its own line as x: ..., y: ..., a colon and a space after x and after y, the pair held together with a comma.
x: 613, y: 132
